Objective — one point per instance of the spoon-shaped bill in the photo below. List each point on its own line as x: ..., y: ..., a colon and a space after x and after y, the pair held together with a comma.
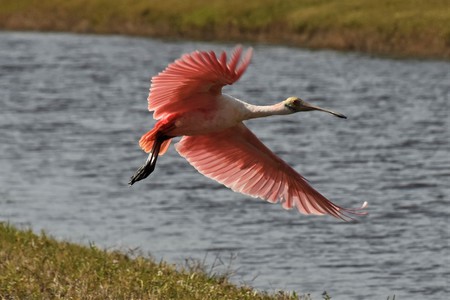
x: 314, y: 107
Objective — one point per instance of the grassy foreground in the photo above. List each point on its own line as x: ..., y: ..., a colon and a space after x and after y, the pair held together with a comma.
x: 39, y: 267
x: 418, y: 28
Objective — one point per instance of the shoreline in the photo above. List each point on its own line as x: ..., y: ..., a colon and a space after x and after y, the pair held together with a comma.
x: 418, y: 31
x: 37, y: 266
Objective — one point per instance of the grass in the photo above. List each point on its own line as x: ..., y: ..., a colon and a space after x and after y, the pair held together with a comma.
x: 39, y: 267
x: 418, y: 28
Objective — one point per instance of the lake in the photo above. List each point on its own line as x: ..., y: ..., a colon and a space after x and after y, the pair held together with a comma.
x: 73, y: 108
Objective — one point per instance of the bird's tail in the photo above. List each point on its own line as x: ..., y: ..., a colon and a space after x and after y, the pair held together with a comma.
x: 155, y: 142
x: 148, y: 140
x: 159, y: 145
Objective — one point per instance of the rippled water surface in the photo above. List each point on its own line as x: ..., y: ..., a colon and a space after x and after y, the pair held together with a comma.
x: 73, y: 108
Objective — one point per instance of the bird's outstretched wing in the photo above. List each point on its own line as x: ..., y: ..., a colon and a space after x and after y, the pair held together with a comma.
x: 192, y: 76
x: 239, y: 160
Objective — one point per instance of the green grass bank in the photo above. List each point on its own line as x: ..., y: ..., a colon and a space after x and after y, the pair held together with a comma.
x: 404, y: 28
x: 39, y: 267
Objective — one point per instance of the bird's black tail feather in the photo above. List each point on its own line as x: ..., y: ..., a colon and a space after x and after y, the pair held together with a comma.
x: 149, y: 166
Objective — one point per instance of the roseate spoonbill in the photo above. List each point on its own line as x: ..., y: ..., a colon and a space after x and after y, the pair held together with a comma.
x: 187, y: 100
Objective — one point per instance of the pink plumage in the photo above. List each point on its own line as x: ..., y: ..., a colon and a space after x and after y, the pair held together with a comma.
x: 187, y: 101
x: 175, y: 89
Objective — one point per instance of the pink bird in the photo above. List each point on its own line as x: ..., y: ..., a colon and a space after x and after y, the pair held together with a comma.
x: 187, y: 100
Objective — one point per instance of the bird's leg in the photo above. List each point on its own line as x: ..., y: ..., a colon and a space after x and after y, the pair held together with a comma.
x: 150, y: 164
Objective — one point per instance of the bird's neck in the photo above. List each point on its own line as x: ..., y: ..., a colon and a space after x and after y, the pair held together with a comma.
x: 259, y: 111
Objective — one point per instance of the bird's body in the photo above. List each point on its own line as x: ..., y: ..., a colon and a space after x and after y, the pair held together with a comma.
x: 227, y: 112
x: 187, y: 101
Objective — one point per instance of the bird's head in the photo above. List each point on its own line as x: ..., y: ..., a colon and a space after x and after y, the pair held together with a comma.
x: 295, y: 104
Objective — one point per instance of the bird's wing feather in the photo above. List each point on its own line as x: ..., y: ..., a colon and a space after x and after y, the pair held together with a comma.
x: 239, y: 160
x: 192, y: 75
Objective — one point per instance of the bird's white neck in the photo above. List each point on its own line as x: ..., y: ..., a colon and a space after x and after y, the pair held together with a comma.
x: 259, y: 111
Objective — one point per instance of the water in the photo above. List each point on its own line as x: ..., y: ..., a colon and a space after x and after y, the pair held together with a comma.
x: 73, y: 108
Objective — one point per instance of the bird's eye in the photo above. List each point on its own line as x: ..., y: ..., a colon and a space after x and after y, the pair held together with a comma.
x: 296, y: 102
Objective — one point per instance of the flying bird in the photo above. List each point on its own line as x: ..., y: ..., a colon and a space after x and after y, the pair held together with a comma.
x: 187, y: 100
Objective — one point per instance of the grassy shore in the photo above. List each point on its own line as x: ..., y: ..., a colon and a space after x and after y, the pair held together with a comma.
x: 39, y: 267
x: 418, y: 28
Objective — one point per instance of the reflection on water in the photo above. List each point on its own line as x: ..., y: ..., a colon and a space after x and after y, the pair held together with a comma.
x: 73, y: 108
